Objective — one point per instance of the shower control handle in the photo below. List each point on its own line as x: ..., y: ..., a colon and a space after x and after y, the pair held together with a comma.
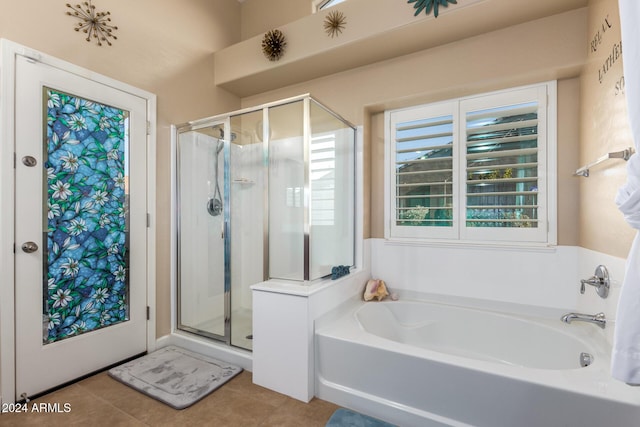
x: 29, y: 247
x: 600, y: 280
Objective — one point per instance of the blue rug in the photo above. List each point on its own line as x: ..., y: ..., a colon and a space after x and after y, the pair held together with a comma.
x: 347, y: 418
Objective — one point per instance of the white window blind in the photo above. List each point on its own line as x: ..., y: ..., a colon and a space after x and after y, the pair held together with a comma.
x: 423, y: 157
x: 322, y: 164
x: 473, y: 169
x: 502, y: 167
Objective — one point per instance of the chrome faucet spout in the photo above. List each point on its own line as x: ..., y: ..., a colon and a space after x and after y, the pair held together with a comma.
x: 597, y: 319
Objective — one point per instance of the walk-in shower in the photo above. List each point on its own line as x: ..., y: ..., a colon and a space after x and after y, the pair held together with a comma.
x: 262, y: 193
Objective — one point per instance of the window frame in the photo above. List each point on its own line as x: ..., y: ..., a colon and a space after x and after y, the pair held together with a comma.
x: 319, y: 5
x: 543, y: 235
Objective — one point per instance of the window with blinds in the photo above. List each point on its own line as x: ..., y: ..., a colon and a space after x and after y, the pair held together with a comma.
x: 502, y: 166
x: 474, y: 168
x: 424, y: 172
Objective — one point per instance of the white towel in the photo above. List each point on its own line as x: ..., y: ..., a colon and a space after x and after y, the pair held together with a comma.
x: 628, y: 198
x: 625, y: 363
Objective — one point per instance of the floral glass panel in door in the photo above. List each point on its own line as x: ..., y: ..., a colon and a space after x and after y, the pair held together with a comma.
x: 86, y: 220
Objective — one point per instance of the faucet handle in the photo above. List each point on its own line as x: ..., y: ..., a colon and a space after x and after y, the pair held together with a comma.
x: 593, y: 281
x: 600, y: 281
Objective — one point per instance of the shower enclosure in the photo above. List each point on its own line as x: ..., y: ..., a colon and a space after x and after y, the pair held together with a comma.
x: 262, y: 193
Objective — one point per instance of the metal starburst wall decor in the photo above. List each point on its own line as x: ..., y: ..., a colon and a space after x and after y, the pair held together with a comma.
x: 273, y: 44
x: 96, y: 25
x: 428, y: 5
x: 334, y: 23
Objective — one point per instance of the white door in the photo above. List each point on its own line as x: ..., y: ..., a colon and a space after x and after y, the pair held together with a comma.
x: 80, y: 227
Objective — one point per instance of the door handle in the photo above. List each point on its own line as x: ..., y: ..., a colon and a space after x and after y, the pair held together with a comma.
x: 29, y: 161
x: 29, y: 247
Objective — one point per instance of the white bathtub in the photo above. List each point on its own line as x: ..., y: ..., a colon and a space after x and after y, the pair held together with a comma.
x: 419, y: 363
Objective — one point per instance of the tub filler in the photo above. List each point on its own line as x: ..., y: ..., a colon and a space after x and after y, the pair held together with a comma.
x: 422, y: 363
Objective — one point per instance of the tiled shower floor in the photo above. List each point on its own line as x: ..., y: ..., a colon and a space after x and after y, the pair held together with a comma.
x: 241, y: 327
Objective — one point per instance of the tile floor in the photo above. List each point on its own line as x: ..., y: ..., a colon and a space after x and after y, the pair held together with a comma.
x: 102, y: 401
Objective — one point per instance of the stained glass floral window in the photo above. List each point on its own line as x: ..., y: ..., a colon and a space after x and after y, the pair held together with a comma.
x: 86, y: 275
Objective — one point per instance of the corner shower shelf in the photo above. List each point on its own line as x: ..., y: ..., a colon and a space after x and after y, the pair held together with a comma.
x: 244, y: 181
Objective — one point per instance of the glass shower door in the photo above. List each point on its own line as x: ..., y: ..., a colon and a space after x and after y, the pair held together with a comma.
x: 201, y: 239
x: 247, y: 220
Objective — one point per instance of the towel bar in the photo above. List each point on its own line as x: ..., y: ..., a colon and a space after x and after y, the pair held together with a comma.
x: 624, y: 154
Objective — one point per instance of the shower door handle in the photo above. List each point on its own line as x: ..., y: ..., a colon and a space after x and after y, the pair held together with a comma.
x: 29, y: 247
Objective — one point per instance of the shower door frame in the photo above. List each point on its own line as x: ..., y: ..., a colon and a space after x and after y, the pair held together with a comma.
x: 226, y: 120
x: 226, y: 230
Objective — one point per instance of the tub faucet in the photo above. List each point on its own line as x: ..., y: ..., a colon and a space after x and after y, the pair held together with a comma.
x: 597, y: 319
x: 600, y: 280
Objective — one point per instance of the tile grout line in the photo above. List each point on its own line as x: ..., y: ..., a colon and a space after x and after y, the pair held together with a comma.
x: 109, y: 403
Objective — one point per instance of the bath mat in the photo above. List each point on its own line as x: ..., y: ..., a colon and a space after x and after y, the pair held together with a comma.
x: 347, y: 418
x: 175, y: 376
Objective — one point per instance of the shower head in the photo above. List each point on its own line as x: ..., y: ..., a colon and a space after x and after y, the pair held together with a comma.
x: 220, y: 130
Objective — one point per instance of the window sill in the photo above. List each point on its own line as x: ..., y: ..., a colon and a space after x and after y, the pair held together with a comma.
x: 463, y: 244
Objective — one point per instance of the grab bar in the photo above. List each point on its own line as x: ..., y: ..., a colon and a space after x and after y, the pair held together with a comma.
x: 624, y: 154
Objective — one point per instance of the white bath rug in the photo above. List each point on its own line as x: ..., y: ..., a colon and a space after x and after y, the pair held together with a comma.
x: 175, y: 376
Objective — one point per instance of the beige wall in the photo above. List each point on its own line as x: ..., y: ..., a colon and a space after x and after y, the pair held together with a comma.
x: 550, y: 48
x: 568, y: 147
x: 260, y: 16
x: 164, y: 47
x: 604, y: 128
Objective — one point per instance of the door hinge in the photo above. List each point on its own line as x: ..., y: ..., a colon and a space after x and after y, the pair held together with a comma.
x: 15, y: 160
x: 14, y: 248
x: 148, y: 313
x: 148, y: 127
x: 148, y: 220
